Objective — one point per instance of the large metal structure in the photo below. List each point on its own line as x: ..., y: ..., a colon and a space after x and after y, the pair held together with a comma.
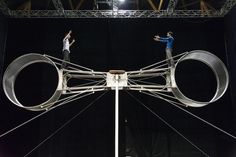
x: 117, y: 80
x: 127, y: 80
x: 171, y: 11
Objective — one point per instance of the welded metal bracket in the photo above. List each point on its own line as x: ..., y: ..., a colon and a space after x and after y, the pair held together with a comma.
x: 127, y: 80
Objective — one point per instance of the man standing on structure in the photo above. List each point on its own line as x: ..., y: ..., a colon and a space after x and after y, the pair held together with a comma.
x: 66, y: 49
x: 169, y: 40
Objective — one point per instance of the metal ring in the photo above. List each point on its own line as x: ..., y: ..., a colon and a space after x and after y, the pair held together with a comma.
x: 216, y: 65
x: 15, y: 68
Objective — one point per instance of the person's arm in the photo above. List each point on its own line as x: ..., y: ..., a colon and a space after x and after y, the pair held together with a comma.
x: 156, y: 38
x: 162, y: 39
x: 67, y: 36
x: 72, y: 42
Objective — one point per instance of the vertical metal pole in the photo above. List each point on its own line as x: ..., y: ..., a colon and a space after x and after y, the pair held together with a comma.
x: 117, y: 116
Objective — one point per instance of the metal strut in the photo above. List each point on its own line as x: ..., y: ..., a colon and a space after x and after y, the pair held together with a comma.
x: 146, y: 80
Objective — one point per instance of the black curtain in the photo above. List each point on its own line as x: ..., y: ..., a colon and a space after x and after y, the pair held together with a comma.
x: 230, y: 40
x: 104, y: 44
x: 230, y: 45
x: 3, y: 37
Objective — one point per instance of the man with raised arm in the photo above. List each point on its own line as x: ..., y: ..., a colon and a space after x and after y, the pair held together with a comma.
x: 169, y: 40
x: 66, y: 48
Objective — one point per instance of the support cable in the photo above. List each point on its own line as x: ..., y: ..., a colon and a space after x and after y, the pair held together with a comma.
x: 199, y: 118
x: 37, y: 116
x: 131, y: 81
x: 146, y: 78
x: 76, y: 65
x: 157, y: 94
x: 145, y: 82
x: 62, y: 102
x: 169, y: 125
x: 152, y: 65
x: 89, y: 83
x: 65, y: 124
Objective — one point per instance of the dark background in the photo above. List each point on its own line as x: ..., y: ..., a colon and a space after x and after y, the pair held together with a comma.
x: 104, y: 44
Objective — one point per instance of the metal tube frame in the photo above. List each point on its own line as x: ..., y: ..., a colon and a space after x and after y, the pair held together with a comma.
x: 118, y: 80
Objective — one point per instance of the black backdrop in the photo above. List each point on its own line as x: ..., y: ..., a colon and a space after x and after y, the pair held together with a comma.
x: 104, y: 44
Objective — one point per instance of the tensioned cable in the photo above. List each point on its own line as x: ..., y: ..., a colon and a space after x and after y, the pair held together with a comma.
x: 227, y: 62
x: 151, y: 70
x: 76, y: 65
x: 73, y: 97
x: 37, y: 116
x: 168, y: 96
x: 182, y: 54
x: 149, y: 77
x: 89, y: 83
x: 148, y: 82
x: 157, y: 96
x: 155, y: 64
x: 70, y: 67
x: 199, y: 118
x: 139, y: 74
x: 65, y: 124
x: 66, y: 100
x: 169, y: 125
x: 86, y: 79
x: 145, y: 82
x: 130, y: 83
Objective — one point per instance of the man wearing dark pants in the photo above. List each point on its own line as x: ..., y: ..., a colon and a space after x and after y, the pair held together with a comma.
x: 66, y: 49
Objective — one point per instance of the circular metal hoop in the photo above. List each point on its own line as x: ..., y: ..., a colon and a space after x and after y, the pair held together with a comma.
x: 15, y: 68
x: 216, y: 65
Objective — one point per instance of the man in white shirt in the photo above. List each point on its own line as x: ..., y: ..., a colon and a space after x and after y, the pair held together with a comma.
x: 66, y: 49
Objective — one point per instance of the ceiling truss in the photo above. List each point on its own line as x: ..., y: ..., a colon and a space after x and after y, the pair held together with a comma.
x: 114, y: 12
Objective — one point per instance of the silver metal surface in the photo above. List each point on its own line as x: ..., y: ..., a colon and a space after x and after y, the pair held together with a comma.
x: 157, y: 79
x: 171, y: 6
x: 216, y: 65
x: 15, y: 68
x: 114, y: 14
x: 228, y: 5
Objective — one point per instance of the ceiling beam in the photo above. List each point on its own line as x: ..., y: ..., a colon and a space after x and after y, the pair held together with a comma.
x: 79, y: 5
x: 185, y: 5
x: 58, y: 5
x: 171, y: 6
x: 152, y: 4
x: 25, y: 6
x: 160, y: 5
x: 110, y: 14
x: 203, y: 6
x: 170, y: 12
x: 228, y: 5
x: 71, y: 5
x: 4, y: 9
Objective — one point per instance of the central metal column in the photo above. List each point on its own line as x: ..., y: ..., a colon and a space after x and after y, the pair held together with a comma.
x: 117, y: 115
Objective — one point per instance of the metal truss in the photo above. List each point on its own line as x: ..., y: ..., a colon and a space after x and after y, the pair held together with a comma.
x: 114, y: 14
x: 171, y: 6
x: 170, y: 12
x: 229, y: 4
x: 4, y: 9
x: 147, y: 79
x: 58, y: 5
x: 144, y: 80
